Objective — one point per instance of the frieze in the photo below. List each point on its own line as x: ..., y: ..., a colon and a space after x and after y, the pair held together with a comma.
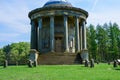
x: 58, y: 8
x: 57, y: 12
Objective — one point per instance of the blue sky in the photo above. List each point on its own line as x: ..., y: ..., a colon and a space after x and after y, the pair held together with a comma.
x: 15, y: 24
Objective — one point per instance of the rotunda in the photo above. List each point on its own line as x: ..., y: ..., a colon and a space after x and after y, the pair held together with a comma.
x: 58, y: 28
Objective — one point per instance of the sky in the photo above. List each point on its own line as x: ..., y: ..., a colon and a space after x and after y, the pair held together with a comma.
x: 15, y: 24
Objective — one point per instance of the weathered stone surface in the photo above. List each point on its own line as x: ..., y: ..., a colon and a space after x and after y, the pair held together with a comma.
x: 58, y: 58
x: 33, y: 55
x: 84, y: 54
x: 5, y: 64
x: 35, y: 63
x: 91, y: 63
x: 108, y: 62
x: 55, y: 27
x: 97, y: 62
x: 86, y: 63
x: 30, y: 63
x: 115, y: 63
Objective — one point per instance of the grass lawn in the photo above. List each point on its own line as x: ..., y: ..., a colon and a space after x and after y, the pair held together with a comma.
x: 60, y: 72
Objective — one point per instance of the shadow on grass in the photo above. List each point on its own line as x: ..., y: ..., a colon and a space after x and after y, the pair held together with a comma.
x: 117, y: 69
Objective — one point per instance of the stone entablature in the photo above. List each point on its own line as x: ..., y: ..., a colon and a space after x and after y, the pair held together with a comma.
x: 58, y: 11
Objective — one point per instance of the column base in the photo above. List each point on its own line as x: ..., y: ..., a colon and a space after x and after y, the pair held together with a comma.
x: 84, y: 54
x: 66, y: 51
x: 72, y: 50
x: 78, y: 51
x: 52, y: 51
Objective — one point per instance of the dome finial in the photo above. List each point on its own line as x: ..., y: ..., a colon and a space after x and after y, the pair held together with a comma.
x: 57, y: 3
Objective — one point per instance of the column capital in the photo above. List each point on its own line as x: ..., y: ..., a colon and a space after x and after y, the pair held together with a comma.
x: 77, y: 16
x: 51, y: 21
x: 51, y: 15
x: 84, y: 21
x: 65, y: 15
x: 77, y: 19
x: 32, y: 22
x: 65, y: 18
x: 39, y: 17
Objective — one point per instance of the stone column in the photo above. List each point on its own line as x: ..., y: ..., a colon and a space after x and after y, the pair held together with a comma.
x: 66, y: 33
x: 40, y: 34
x: 85, y: 42
x: 33, y: 35
x: 81, y: 43
x: 52, y: 33
x: 77, y: 34
x: 34, y: 41
x: 84, y: 53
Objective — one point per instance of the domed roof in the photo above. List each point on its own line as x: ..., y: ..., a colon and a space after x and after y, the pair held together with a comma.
x: 57, y: 3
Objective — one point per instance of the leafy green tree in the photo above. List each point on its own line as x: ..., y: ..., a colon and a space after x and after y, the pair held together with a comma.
x: 92, y: 47
x: 2, y: 56
x: 15, y: 56
x: 24, y: 49
x: 106, y: 42
x: 114, y: 39
x: 17, y: 52
x: 102, y: 42
x: 6, y: 50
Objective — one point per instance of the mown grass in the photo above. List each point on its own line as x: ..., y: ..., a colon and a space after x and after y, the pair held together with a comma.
x: 60, y: 72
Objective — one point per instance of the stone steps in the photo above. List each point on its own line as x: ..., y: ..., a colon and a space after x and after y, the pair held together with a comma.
x: 58, y: 58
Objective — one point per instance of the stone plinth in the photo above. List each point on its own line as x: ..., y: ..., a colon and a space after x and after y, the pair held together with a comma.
x: 33, y: 55
x: 84, y: 54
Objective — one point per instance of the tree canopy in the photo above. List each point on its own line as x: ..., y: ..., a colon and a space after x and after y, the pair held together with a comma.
x: 104, y: 42
x: 16, y: 52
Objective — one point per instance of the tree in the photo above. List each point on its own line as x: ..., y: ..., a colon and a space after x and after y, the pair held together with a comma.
x: 114, y: 40
x: 106, y: 42
x: 17, y: 52
x: 92, y: 47
x: 15, y: 56
x: 6, y: 50
x: 2, y: 56
x: 102, y: 42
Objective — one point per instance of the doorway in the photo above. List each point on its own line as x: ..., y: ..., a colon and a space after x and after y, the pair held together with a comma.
x: 58, y: 44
